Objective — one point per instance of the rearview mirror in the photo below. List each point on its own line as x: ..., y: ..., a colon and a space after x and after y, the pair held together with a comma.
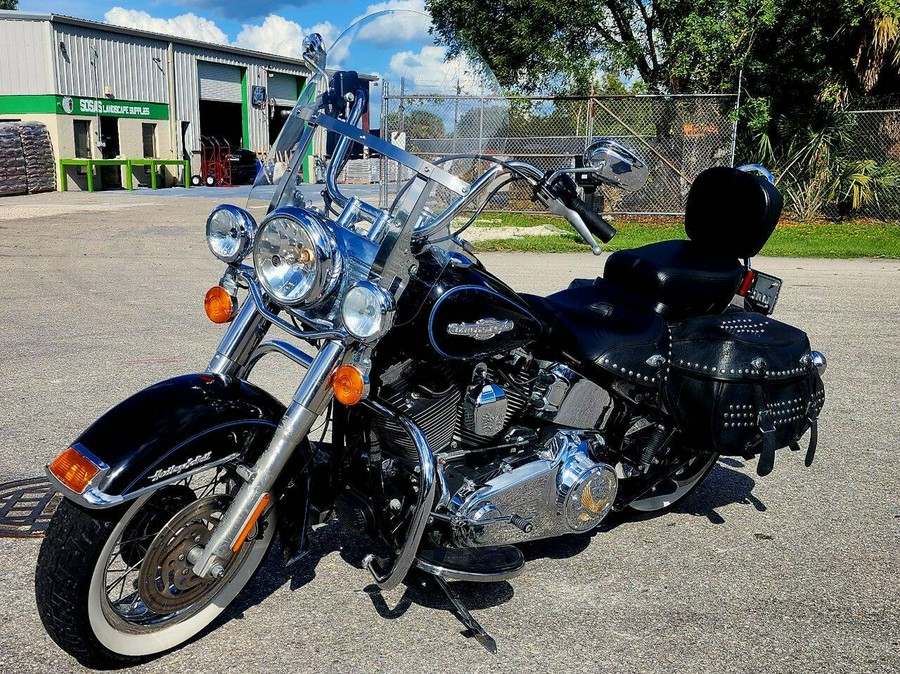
x: 616, y: 165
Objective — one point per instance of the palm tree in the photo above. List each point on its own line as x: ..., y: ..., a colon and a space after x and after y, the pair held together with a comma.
x: 879, y: 48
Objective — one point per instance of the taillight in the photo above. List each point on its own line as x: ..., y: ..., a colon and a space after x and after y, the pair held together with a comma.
x: 747, y: 283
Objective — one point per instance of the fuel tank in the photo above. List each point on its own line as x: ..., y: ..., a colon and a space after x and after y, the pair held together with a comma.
x: 469, y: 313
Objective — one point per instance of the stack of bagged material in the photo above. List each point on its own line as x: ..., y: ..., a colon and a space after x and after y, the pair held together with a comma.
x: 360, y: 172
x: 12, y: 161
x: 40, y: 172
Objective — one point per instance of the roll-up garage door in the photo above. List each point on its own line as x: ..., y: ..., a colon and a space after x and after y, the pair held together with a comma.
x: 283, y: 88
x: 219, y: 82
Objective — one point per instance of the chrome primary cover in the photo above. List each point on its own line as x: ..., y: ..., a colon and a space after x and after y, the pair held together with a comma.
x: 563, y: 491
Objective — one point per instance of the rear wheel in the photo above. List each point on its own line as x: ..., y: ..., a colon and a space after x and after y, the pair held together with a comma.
x: 114, y: 587
x: 676, y: 488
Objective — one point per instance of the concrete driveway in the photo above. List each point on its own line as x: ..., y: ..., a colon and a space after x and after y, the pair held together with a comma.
x: 101, y: 295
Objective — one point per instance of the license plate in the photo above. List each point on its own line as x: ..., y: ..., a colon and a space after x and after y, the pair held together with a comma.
x: 763, y: 294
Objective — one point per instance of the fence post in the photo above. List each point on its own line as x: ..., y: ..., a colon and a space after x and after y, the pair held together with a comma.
x: 737, y: 113
x: 589, y: 127
x: 385, y: 131
x: 481, y: 119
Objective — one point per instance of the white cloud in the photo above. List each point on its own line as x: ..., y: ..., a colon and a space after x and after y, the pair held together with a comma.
x: 428, y: 71
x: 386, y: 30
x: 187, y: 25
x: 277, y: 35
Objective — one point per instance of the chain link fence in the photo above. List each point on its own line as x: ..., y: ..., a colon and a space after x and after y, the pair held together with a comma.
x: 875, y: 137
x: 678, y: 137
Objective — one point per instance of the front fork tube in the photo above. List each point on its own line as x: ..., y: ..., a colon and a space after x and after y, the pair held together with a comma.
x: 244, y: 334
x: 309, y: 402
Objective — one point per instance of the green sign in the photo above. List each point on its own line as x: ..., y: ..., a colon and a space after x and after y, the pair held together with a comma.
x: 84, y: 107
x: 73, y: 105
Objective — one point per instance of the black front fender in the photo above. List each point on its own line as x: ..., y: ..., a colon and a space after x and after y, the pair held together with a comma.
x: 171, y: 429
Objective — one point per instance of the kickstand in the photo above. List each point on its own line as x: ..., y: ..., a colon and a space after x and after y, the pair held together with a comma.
x: 466, y: 618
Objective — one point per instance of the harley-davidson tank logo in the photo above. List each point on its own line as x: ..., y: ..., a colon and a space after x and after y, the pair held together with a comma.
x: 172, y: 470
x: 482, y: 329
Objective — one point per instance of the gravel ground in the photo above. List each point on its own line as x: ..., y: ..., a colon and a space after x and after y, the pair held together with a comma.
x: 797, y: 572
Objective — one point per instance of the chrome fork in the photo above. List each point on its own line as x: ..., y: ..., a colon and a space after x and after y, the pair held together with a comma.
x: 244, y: 334
x: 309, y: 402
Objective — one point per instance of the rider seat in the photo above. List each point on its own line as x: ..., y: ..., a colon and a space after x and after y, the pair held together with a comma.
x: 599, y: 325
x: 729, y: 214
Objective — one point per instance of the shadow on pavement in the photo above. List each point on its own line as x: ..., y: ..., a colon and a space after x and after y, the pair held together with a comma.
x: 724, y: 486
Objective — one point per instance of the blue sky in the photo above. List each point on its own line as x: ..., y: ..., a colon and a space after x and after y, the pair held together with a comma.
x: 267, y: 25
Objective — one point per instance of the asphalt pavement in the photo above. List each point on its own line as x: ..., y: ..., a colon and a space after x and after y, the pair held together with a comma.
x: 101, y: 295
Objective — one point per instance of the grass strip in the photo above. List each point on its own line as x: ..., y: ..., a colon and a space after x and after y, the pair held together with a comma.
x: 849, y: 239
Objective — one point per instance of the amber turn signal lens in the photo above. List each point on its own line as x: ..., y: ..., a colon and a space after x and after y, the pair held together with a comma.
x: 248, y: 527
x: 73, y: 469
x: 349, y: 385
x: 219, y: 305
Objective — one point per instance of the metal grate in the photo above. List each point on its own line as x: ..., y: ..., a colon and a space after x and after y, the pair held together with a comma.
x: 26, y: 507
x: 678, y: 136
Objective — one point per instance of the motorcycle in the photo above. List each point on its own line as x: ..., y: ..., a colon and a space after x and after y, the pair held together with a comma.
x: 465, y: 418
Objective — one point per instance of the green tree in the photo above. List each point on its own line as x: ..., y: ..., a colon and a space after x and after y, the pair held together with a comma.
x: 417, y: 123
x: 674, y: 46
x: 9, y: 4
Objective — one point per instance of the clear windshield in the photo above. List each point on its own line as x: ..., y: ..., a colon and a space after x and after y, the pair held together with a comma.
x: 432, y: 106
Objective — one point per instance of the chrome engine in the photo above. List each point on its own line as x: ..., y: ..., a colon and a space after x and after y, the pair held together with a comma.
x: 504, y: 484
x: 559, y: 489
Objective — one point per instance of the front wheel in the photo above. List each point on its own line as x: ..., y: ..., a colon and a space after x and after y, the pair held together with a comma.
x: 114, y: 587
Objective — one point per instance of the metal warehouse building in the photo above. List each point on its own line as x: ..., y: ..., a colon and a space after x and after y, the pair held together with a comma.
x: 107, y: 92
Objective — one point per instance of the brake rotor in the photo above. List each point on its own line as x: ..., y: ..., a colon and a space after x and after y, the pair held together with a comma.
x: 141, y: 531
x: 167, y: 582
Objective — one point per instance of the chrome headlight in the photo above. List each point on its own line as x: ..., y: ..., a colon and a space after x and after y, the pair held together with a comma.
x: 367, y: 311
x: 296, y: 258
x: 229, y: 233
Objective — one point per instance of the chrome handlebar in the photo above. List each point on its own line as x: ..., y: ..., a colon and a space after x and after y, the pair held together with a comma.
x: 442, y: 221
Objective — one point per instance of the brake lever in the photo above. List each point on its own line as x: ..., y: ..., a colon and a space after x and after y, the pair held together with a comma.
x: 557, y: 207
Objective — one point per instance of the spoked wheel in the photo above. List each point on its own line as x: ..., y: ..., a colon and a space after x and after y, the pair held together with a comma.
x: 678, y: 487
x: 115, y: 587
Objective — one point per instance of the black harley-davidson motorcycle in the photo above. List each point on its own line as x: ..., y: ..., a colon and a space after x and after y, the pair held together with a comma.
x: 465, y: 417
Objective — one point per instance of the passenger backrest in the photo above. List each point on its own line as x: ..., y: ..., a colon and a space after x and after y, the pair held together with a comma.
x: 731, y: 212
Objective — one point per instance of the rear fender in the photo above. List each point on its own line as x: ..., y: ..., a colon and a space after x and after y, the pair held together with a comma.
x: 171, y: 430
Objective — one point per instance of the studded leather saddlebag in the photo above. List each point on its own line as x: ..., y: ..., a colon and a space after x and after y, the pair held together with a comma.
x: 743, y: 384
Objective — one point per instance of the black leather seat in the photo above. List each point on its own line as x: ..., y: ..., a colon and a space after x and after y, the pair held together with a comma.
x: 678, y: 279
x: 729, y: 215
x: 598, y: 325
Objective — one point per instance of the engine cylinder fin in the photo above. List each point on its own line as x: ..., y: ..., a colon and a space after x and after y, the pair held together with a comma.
x: 431, y: 415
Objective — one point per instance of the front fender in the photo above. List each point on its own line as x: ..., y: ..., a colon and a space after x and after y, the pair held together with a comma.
x: 174, y: 428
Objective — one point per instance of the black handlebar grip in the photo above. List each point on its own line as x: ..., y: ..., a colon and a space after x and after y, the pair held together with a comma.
x: 595, y: 222
x: 566, y: 190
